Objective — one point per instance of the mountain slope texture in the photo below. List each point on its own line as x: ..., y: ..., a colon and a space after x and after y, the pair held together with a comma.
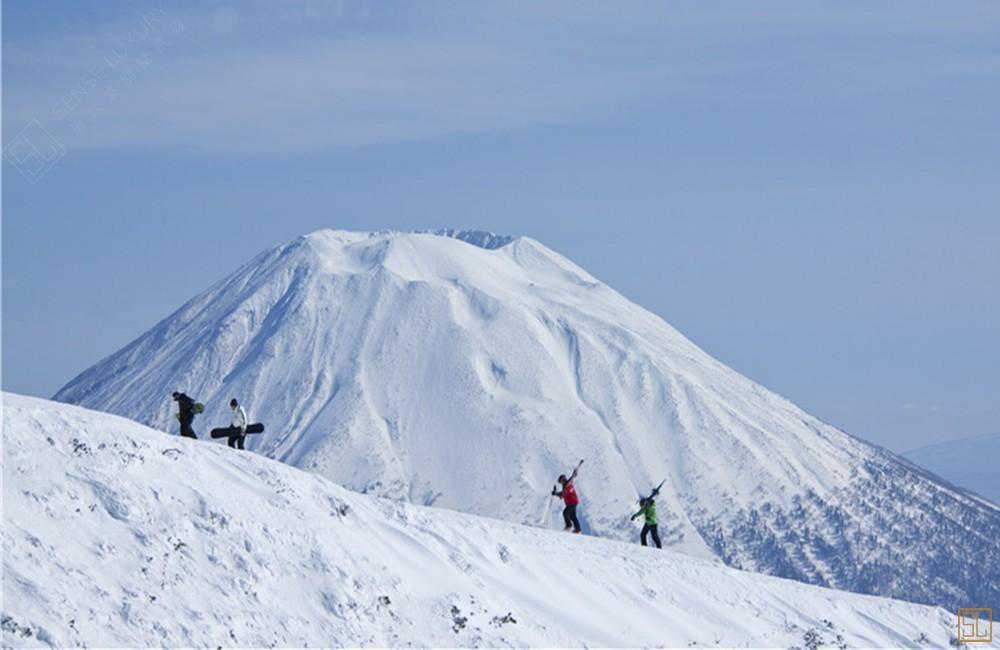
x: 467, y: 370
x: 115, y: 535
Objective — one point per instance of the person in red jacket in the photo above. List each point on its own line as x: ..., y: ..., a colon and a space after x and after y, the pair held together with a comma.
x: 570, y: 498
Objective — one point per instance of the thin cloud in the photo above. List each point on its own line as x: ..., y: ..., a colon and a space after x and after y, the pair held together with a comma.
x: 314, y: 93
x: 288, y: 78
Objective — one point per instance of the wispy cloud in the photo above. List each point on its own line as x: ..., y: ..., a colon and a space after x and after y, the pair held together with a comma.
x: 307, y: 76
x: 920, y: 407
x: 221, y: 79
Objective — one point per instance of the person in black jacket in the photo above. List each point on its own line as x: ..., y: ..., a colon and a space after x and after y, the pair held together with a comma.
x: 185, y: 413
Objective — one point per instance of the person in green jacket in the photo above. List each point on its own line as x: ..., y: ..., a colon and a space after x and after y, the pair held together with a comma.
x: 647, y: 508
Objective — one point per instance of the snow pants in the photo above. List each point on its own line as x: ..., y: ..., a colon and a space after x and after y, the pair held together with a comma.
x: 650, y: 528
x: 186, y: 429
x: 569, y: 516
x: 236, y: 441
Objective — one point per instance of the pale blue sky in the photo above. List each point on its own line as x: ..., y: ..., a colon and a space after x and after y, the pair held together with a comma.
x: 810, y: 191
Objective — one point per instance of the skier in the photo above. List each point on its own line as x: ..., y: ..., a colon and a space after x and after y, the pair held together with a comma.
x: 570, y: 498
x: 647, y: 508
x: 186, y: 409
x: 239, y: 422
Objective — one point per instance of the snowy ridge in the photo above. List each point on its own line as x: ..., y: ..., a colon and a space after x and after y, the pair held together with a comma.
x: 420, y: 367
x: 116, y: 535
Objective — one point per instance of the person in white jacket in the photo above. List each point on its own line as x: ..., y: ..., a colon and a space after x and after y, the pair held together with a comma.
x: 239, y: 422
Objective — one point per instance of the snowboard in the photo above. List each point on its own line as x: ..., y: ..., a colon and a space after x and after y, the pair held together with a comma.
x: 225, y: 432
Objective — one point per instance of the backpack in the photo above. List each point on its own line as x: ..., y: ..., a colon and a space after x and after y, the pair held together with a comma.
x: 198, y: 407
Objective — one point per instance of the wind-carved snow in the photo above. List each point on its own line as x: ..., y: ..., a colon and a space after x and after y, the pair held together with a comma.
x: 116, y: 535
x: 468, y: 370
x: 480, y: 238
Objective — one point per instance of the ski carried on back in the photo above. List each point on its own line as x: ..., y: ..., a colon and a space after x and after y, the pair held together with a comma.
x: 225, y: 432
x: 647, y: 509
x: 570, y: 498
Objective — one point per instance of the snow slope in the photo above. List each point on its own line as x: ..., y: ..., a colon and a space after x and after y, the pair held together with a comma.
x: 972, y: 463
x: 467, y: 371
x: 117, y: 535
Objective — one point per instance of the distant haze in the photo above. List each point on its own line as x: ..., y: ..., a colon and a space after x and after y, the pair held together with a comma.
x: 971, y: 463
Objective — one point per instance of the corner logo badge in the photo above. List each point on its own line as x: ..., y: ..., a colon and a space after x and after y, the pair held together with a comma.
x: 975, y: 625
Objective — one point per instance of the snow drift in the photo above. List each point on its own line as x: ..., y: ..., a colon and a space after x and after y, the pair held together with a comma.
x: 116, y: 535
x: 467, y: 370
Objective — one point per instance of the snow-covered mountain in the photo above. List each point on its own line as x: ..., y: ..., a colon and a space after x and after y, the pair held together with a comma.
x: 972, y: 463
x: 467, y: 370
x: 115, y: 535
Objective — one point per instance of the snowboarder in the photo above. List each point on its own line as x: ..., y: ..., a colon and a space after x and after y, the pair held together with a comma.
x: 570, y: 498
x: 647, y: 508
x: 186, y: 409
x: 239, y: 422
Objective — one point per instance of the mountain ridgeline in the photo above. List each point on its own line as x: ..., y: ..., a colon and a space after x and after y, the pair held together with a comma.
x: 118, y: 537
x: 466, y: 370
